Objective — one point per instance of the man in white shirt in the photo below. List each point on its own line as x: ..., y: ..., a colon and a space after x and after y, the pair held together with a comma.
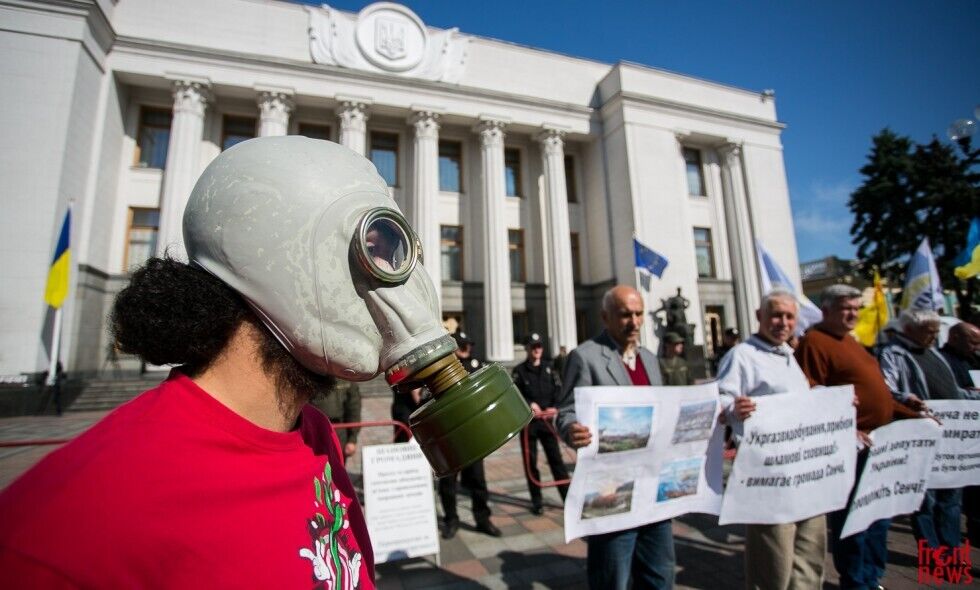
x: 778, y: 556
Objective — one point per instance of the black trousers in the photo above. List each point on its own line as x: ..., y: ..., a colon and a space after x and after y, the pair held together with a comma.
x: 472, y: 478
x: 538, y: 431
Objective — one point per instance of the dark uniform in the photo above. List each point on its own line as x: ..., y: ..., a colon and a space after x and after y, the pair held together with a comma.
x: 542, y: 386
x: 472, y: 477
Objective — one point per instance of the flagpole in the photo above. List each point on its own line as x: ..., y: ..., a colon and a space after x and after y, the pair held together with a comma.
x: 55, y: 349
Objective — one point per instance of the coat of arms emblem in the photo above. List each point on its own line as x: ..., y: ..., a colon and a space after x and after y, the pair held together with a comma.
x: 389, y: 38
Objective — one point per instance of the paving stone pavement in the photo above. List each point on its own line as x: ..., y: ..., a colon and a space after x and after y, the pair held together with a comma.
x: 532, y: 553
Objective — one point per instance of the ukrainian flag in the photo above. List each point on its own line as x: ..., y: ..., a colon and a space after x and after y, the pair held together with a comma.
x: 57, y: 288
x: 968, y: 262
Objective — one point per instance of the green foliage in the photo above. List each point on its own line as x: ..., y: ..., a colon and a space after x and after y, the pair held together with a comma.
x: 913, y: 191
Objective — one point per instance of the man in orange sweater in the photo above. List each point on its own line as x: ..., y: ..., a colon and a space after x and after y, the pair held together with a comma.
x: 829, y: 355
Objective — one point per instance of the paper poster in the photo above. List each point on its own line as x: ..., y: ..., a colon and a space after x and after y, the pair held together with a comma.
x: 957, y: 462
x: 896, y: 473
x: 649, y: 457
x: 398, y: 502
x: 796, y: 459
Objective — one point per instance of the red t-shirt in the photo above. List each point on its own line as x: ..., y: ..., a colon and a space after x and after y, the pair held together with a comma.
x: 175, y: 490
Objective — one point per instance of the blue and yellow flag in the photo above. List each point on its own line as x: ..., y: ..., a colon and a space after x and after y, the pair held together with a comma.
x: 57, y: 288
x: 968, y: 262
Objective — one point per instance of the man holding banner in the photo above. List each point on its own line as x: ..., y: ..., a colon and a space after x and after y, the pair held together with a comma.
x: 914, y: 370
x: 829, y: 355
x: 777, y: 556
x: 615, y: 357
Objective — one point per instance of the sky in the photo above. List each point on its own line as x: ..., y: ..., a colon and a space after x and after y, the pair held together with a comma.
x: 842, y: 71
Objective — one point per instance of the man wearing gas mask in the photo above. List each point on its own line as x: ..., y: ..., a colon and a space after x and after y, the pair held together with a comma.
x: 300, y: 269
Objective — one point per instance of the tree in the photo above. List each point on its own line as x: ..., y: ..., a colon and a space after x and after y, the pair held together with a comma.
x: 913, y: 191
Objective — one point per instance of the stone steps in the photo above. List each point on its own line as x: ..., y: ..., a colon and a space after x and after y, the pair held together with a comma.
x: 106, y: 394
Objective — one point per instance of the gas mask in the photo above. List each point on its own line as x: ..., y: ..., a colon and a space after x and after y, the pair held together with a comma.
x: 307, y: 233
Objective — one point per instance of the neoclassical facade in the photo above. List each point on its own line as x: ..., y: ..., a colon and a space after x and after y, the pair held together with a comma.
x: 526, y: 173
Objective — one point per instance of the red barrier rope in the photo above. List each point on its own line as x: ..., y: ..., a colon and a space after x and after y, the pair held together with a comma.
x: 546, y: 416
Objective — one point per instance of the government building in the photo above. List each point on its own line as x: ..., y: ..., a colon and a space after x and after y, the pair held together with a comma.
x: 527, y: 174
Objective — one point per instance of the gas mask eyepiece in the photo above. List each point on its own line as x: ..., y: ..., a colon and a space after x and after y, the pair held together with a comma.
x: 386, y: 246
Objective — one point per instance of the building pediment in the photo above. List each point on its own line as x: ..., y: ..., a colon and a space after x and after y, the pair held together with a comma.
x: 386, y: 38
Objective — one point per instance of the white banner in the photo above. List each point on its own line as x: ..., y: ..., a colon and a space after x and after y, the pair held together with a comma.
x: 398, y: 502
x: 957, y: 461
x: 796, y: 460
x: 895, y: 474
x: 655, y: 454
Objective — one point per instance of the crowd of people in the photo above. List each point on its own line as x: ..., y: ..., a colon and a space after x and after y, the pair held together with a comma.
x: 225, y: 475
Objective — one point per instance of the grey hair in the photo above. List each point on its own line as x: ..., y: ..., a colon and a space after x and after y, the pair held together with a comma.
x: 832, y: 293
x: 777, y: 293
x: 911, y: 318
x: 607, y: 300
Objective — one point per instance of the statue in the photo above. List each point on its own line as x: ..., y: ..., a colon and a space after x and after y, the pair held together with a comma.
x: 676, y: 319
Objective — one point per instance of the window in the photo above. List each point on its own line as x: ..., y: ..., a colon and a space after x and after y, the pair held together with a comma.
x: 141, y: 239
x: 384, y: 156
x: 576, y: 276
x: 512, y: 172
x: 521, y: 327
x: 570, y: 179
x: 702, y: 252
x: 314, y: 131
x: 450, y: 166
x: 515, y: 242
x: 695, y: 178
x: 153, y: 138
x: 451, y: 252
x: 237, y: 130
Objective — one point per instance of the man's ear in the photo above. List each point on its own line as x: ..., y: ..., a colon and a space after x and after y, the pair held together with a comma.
x: 758, y: 315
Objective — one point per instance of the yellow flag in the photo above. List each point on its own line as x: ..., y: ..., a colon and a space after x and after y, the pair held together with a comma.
x: 971, y: 268
x: 872, y: 317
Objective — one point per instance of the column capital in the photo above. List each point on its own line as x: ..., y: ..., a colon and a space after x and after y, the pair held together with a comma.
x: 275, y: 103
x: 191, y: 95
x: 491, y: 131
x: 425, y: 122
x: 730, y: 151
x: 552, y: 140
x: 352, y: 109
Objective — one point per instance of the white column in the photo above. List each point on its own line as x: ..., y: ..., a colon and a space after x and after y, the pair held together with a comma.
x: 275, y: 106
x: 496, y: 265
x: 741, y: 241
x: 191, y: 98
x: 425, y: 192
x: 353, y: 123
x: 561, y: 289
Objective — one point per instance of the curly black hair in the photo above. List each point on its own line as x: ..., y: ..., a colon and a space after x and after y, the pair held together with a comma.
x: 173, y: 313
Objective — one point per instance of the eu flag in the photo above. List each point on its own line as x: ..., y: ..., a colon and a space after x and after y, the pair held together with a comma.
x: 648, y: 260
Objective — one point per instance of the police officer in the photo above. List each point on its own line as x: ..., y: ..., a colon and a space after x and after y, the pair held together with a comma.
x: 472, y: 477
x: 540, y: 385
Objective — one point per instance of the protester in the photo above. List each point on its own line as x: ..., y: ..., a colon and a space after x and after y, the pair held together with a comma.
x: 673, y: 366
x: 342, y: 404
x: 540, y: 386
x: 615, y: 357
x: 962, y: 352
x: 777, y: 556
x: 223, y: 476
x: 915, y: 371
x: 830, y: 356
x: 472, y: 477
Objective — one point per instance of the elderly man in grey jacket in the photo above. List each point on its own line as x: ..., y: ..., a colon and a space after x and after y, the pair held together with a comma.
x: 615, y: 357
x: 914, y: 371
